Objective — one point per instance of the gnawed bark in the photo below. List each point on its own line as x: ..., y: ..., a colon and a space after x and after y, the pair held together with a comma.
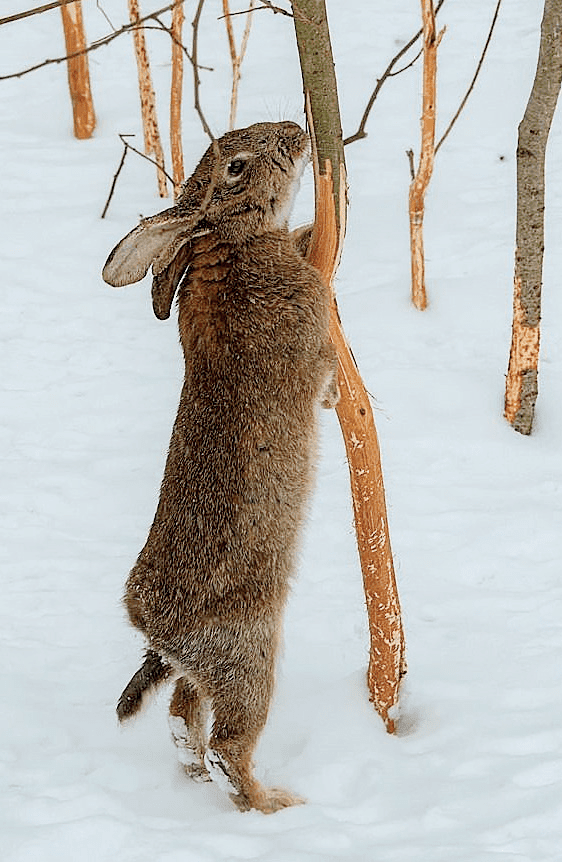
x: 235, y: 57
x: 522, y: 375
x: 152, y: 145
x: 387, y: 662
x: 78, y: 71
x: 176, y: 97
x: 422, y: 177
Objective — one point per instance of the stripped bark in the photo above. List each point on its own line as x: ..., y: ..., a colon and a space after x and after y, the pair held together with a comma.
x: 419, y: 184
x: 152, y: 145
x: 522, y: 375
x: 176, y: 98
x: 235, y: 57
x: 78, y: 71
x: 387, y: 662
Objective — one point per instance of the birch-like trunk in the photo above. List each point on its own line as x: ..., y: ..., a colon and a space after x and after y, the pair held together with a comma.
x: 387, y: 662
x: 78, y: 71
x: 522, y: 375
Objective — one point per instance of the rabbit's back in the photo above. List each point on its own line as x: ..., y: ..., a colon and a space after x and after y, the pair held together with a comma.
x: 253, y: 324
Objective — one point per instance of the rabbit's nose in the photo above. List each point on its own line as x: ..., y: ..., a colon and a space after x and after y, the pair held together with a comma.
x: 291, y: 129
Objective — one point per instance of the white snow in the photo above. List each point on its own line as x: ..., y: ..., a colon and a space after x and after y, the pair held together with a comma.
x: 90, y: 382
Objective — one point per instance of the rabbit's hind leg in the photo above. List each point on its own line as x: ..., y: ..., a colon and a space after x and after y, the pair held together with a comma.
x: 240, y: 710
x: 188, y: 720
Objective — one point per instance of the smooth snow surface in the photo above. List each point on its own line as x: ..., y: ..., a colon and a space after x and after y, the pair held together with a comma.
x: 90, y: 383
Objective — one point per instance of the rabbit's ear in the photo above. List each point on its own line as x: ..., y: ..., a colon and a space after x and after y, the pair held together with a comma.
x: 165, y: 283
x: 155, y: 241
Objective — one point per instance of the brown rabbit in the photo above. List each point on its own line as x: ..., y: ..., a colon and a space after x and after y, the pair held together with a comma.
x: 209, y: 586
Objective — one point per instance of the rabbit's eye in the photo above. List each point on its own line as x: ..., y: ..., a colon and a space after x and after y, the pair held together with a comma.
x: 236, y: 167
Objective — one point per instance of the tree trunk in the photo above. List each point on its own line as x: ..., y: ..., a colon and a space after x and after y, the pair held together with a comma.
x: 421, y: 179
x: 176, y: 98
x: 152, y: 143
x: 78, y: 71
x: 387, y: 651
x: 522, y: 375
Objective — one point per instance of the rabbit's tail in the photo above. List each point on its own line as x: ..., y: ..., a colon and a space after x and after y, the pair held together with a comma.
x: 147, y: 679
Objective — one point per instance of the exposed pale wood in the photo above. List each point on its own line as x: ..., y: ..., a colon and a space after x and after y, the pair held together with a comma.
x: 387, y: 663
x: 152, y: 144
x: 176, y: 97
x: 521, y: 387
x: 522, y: 375
x: 235, y: 57
x: 419, y: 184
x: 78, y: 71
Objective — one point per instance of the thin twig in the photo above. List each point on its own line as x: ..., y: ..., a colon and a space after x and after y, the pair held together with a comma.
x: 37, y: 11
x: 94, y: 45
x: 143, y: 155
x: 115, y: 178
x: 175, y: 40
x: 473, y: 82
x: 196, y: 79
x: 126, y: 147
x: 236, y: 59
x: 104, y: 13
x: 410, y: 154
x: 408, y: 65
x: 361, y: 133
x: 277, y: 10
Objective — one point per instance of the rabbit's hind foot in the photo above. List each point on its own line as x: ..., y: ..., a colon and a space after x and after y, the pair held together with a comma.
x: 188, y: 756
x: 249, y: 793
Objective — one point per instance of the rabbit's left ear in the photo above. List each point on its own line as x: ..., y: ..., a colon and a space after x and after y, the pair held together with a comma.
x: 165, y: 283
x: 155, y: 241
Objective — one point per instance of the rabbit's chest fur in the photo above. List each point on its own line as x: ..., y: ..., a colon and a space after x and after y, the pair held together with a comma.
x: 240, y: 461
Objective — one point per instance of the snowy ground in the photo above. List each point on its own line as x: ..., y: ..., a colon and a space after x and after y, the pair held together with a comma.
x: 89, y: 389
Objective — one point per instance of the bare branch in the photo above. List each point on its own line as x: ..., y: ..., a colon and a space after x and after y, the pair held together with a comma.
x: 115, y: 178
x: 361, y: 133
x: 473, y: 82
x: 97, y: 44
x: 236, y: 59
x: 126, y: 147
x: 105, y: 15
x: 143, y: 155
x: 407, y: 66
x: 196, y: 79
x: 37, y: 11
x: 277, y: 10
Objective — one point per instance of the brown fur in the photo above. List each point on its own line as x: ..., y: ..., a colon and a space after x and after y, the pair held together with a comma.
x: 209, y: 587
